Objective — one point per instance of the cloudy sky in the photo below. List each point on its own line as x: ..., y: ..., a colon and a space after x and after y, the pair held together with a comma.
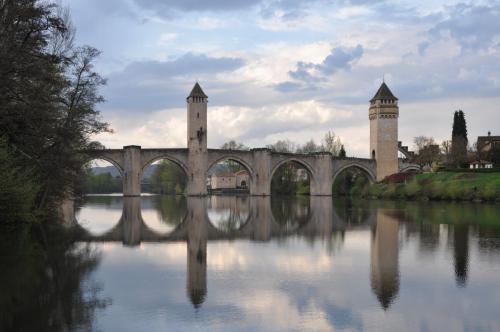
x: 276, y: 69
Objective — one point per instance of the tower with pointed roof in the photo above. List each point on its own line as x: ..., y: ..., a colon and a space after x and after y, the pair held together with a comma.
x: 197, y: 140
x: 383, y: 114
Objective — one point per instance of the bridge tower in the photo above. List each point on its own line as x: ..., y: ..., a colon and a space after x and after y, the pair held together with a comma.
x: 197, y: 141
x: 383, y: 114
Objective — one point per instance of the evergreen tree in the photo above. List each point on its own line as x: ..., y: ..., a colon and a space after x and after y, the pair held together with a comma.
x: 459, y: 139
x: 342, y: 153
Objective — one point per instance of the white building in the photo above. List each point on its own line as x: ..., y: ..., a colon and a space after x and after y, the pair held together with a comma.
x: 229, y: 180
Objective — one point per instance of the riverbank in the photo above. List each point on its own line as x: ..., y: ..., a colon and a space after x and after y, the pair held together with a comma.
x: 440, y: 186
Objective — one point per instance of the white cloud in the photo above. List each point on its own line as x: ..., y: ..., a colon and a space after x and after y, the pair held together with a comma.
x: 167, y: 38
x: 209, y: 23
x: 352, y: 12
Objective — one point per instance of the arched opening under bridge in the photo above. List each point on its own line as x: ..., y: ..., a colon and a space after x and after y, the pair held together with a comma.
x: 163, y: 203
x: 352, y: 180
x: 291, y: 177
x: 163, y: 176
x: 229, y: 175
x: 100, y: 188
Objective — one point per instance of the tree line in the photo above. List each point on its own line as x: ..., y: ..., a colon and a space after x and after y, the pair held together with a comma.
x: 453, y: 153
x: 48, y: 108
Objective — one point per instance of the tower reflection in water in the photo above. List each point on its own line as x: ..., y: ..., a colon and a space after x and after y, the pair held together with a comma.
x: 197, y: 236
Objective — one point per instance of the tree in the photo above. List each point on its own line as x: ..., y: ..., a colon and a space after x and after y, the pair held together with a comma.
x: 168, y: 178
x: 231, y: 165
x: 427, y: 151
x: 284, y: 146
x: 446, y: 150
x: 459, y: 139
x: 332, y: 143
x: 48, y: 96
x: 17, y: 189
x: 342, y: 153
x: 310, y: 147
x: 233, y: 145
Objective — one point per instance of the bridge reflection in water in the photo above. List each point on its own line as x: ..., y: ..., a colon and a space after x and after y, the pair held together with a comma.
x: 259, y: 219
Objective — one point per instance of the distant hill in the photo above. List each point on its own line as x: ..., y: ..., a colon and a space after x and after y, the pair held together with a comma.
x: 114, y: 171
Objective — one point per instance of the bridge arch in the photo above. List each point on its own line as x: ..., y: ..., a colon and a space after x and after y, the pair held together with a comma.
x: 296, y: 160
x: 410, y: 168
x: 233, y: 157
x: 109, y: 159
x: 369, y: 172
x: 168, y: 157
x: 277, y: 186
x: 246, y: 183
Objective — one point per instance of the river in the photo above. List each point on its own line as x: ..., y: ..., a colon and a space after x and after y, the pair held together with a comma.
x: 227, y: 263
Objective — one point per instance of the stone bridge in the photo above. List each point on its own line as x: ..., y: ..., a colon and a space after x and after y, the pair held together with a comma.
x: 261, y: 164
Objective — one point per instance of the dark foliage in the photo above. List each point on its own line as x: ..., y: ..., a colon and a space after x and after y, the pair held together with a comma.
x: 48, y: 95
x: 459, y: 139
x: 399, y: 177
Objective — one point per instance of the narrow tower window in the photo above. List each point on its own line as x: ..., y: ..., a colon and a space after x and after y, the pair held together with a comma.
x: 198, y: 115
x: 373, y: 154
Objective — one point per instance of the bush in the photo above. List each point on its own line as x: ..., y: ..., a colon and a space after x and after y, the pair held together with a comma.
x: 412, y: 189
x: 399, y: 177
x: 491, y: 192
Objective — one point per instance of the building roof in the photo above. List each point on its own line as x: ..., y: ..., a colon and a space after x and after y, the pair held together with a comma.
x: 481, y: 162
x: 383, y: 93
x: 487, y: 139
x: 197, y: 91
x: 241, y: 172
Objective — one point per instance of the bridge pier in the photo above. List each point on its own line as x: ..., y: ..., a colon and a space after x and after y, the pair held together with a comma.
x: 131, y: 221
x: 262, y: 215
x: 261, y: 184
x: 132, y: 170
x: 321, y: 222
x: 321, y: 182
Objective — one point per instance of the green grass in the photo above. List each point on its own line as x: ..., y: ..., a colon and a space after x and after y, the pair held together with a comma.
x: 442, y: 186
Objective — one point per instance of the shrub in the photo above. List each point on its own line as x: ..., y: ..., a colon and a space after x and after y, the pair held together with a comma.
x: 491, y: 191
x: 390, y: 191
x: 399, y: 177
x: 412, y: 189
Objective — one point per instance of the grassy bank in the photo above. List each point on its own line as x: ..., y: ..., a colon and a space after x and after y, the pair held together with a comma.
x: 441, y: 186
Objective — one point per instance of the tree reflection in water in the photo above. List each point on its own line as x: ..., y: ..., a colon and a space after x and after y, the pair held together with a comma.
x: 47, y: 289
x: 461, y: 253
x: 291, y: 211
x: 172, y: 209
x: 228, y: 213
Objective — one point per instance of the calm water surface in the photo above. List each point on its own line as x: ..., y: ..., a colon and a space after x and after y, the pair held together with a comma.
x: 246, y: 264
